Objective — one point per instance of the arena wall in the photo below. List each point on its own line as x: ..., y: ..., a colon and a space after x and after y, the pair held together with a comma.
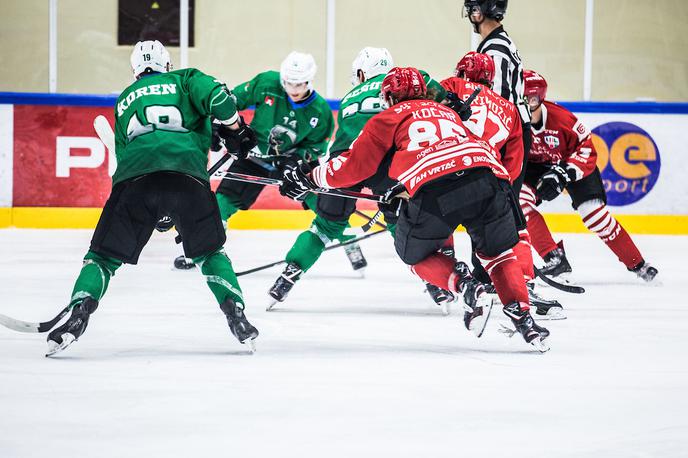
x: 638, y: 46
x: 55, y: 173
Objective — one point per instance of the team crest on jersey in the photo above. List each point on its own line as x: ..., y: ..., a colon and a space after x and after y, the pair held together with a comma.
x: 314, y: 122
x: 552, y: 141
x: 269, y: 100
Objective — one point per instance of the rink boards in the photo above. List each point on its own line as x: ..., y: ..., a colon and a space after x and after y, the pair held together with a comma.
x: 55, y: 173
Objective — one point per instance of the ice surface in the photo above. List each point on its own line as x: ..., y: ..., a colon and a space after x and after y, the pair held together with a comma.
x: 347, y: 367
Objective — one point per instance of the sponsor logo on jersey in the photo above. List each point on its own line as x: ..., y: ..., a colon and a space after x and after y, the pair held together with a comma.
x: 314, y: 122
x: 552, y: 141
x: 629, y: 161
x: 269, y: 100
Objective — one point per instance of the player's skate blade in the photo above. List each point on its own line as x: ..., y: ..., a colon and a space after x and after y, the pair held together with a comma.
x: 441, y: 297
x: 284, y: 283
x: 525, y: 326
x: 54, y: 347
x: 240, y: 327
x: 476, y: 319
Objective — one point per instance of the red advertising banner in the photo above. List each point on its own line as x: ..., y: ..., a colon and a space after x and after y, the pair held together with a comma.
x: 60, y: 162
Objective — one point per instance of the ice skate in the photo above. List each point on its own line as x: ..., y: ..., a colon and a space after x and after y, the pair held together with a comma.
x: 239, y: 325
x: 279, y: 291
x: 69, y: 332
x: 356, y: 258
x: 477, y: 303
x: 526, y: 326
x: 645, y: 272
x: 441, y: 297
x: 545, y: 309
x: 556, y: 264
x: 183, y: 263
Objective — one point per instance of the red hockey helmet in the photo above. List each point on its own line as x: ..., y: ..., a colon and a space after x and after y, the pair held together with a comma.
x: 403, y: 83
x: 534, y: 86
x: 476, y: 67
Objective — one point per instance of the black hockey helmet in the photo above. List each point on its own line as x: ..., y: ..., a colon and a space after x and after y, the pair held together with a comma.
x: 494, y: 9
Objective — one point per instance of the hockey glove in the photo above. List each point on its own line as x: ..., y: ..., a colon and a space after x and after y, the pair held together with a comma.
x: 462, y: 108
x: 238, y: 141
x: 295, y: 183
x: 552, y: 183
x: 164, y: 224
x: 281, y: 139
x: 216, y: 140
x: 393, y: 199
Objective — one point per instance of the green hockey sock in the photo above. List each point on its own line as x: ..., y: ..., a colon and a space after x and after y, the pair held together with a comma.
x: 94, y: 277
x: 227, y: 207
x: 219, y: 274
x: 306, y: 250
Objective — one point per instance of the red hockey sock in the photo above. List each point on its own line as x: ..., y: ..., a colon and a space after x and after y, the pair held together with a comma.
x: 597, y: 219
x: 540, y: 236
x: 437, y: 269
x: 507, y: 276
x: 524, y: 254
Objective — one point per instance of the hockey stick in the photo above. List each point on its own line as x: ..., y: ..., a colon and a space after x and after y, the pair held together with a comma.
x: 560, y: 286
x: 333, y: 192
x: 332, y: 247
x: 102, y: 127
x: 27, y: 326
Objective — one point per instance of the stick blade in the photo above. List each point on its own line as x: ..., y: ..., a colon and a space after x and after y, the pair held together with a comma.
x: 102, y: 127
x: 19, y: 325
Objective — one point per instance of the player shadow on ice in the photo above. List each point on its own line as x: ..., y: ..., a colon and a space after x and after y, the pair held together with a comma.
x: 325, y: 310
x: 145, y: 354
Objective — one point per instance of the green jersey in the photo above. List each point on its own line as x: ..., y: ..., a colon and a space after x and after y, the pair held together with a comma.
x: 162, y: 123
x: 361, y: 104
x: 304, y: 126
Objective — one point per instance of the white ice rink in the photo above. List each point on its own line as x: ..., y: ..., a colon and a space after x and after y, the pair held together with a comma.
x: 346, y: 367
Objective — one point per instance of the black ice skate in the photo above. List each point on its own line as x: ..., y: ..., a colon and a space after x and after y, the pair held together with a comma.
x: 284, y: 284
x: 545, y: 309
x: 526, y: 326
x: 69, y: 332
x: 356, y: 258
x: 477, y: 303
x: 645, y: 271
x: 239, y: 325
x: 442, y: 297
x: 183, y: 263
x: 556, y: 263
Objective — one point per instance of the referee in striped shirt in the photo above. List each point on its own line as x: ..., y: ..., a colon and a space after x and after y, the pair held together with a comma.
x: 486, y: 17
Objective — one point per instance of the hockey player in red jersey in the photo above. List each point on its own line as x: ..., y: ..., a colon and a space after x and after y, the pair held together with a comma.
x: 497, y: 121
x: 452, y: 178
x: 563, y: 157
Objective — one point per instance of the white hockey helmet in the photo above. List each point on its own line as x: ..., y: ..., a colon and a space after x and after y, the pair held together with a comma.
x: 372, y: 62
x: 149, y: 54
x: 297, y: 68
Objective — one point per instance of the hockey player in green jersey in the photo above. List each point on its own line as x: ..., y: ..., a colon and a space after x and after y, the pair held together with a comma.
x: 332, y: 213
x: 162, y: 137
x: 291, y: 120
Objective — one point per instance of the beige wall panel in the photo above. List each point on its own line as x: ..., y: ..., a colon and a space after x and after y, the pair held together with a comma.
x: 640, y: 46
x: 641, y: 50
x: 427, y: 35
x: 235, y: 40
x: 550, y: 35
x: 24, y: 45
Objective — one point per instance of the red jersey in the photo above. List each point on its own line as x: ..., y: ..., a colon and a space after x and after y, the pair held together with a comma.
x: 428, y: 141
x: 563, y: 138
x: 495, y: 120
